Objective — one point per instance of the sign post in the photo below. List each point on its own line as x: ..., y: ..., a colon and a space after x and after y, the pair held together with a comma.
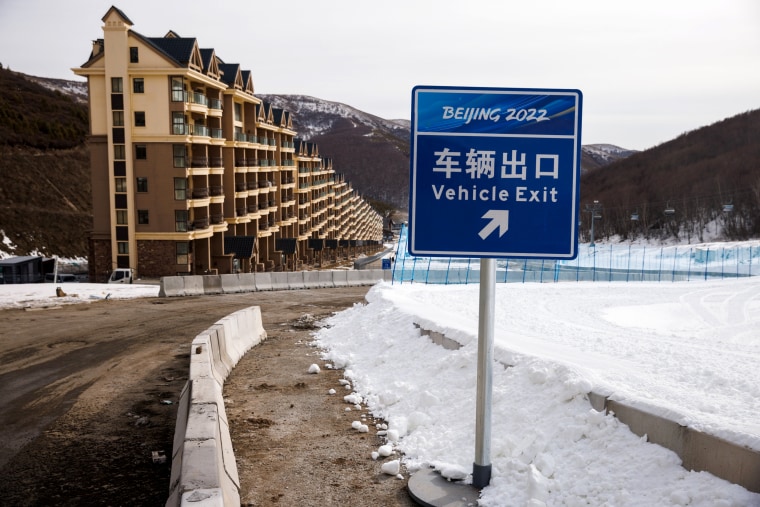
x: 494, y: 173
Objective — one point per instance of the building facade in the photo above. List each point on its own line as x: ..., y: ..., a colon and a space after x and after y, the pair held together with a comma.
x: 193, y: 174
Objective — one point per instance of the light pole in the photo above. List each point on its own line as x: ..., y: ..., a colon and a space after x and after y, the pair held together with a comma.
x: 596, y: 214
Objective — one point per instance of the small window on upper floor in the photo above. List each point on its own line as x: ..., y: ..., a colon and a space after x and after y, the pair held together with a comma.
x: 142, y: 184
x: 117, y: 85
x: 141, y: 152
x: 138, y: 85
x: 139, y: 118
x: 133, y: 55
x: 118, y: 118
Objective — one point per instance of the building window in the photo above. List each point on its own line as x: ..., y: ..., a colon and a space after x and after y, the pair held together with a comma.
x: 178, y: 123
x: 119, y: 153
x: 142, y: 184
x: 142, y: 217
x: 118, y: 118
x: 183, y: 252
x: 141, y: 152
x: 117, y: 85
x: 134, y: 56
x: 121, y: 217
x: 180, y: 220
x: 180, y: 155
x: 138, y: 85
x: 139, y: 118
x: 180, y: 189
x: 178, y: 90
x: 121, y: 184
x: 123, y: 247
x: 238, y: 112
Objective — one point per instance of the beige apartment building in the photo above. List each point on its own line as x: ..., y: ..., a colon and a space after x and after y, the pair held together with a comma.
x: 193, y: 174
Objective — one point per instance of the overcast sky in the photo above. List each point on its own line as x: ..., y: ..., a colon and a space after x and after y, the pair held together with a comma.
x: 649, y: 70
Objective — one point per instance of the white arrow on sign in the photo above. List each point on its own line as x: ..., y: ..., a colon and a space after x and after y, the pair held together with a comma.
x: 499, y: 218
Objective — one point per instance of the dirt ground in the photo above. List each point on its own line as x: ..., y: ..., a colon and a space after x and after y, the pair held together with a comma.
x: 89, y: 391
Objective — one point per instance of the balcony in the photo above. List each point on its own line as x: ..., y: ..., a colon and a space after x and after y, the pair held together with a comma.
x: 216, y: 190
x: 241, y: 137
x: 241, y: 212
x: 253, y: 208
x: 200, y: 193
x: 199, y: 162
x: 241, y: 187
x: 217, y: 134
x: 217, y: 162
x: 201, y: 130
x: 201, y: 223
x: 217, y: 218
x: 199, y: 98
x: 215, y: 104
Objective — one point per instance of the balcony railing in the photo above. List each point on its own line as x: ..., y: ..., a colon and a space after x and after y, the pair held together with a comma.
x: 217, y: 134
x: 216, y: 190
x: 199, y: 162
x: 215, y: 104
x: 239, y: 136
x: 201, y: 223
x: 241, y: 162
x: 201, y: 130
x: 217, y: 218
x: 241, y: 187
x: 200, y: 193
x: 241, y: 212
x: 252, y: 185
x: 199, y: 98
x: 253, y: 208
x: 217, y: 162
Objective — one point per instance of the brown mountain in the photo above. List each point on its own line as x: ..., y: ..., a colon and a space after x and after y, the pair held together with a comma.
x: 696, y: 178
x: 45, y: 196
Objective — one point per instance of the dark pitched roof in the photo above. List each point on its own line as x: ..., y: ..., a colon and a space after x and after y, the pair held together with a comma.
x: 278, y: 115
x: 206, y: 55
x: 229, y: 72
x: 119, y: 12
x: 180, y: 49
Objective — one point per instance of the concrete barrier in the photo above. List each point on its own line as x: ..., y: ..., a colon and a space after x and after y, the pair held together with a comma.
x: 230, y: 283
x: 263, y: 281
x: 280, y: 281
x: 296, y: 280
x: 193, y: 285
x: 203, y: 463
x: 171, y: 286
x: 212, y: 284
x: 339, y: 278
x: 311, y: 279
x: 698, y: 451
x: 247, y: 282
x: 364, y: 277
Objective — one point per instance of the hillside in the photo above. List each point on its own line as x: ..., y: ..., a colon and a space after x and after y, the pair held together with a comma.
x: 45, y: 193
x: 695, y: 176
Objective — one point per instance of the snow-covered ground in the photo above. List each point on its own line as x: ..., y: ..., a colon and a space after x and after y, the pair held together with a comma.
x: 688, y: 351
x: 37, y: 295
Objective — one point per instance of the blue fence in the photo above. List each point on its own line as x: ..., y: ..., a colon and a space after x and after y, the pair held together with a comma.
x: 602, y: 263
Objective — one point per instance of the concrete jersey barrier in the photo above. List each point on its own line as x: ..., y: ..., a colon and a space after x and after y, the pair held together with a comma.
x: 203, y: 462
x: 171, y: 286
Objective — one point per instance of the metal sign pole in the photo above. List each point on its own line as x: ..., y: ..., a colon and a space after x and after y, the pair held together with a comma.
x: 481, y: 468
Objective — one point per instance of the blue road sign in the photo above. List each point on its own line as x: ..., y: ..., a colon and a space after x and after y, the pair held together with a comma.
x: 495, y: 172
